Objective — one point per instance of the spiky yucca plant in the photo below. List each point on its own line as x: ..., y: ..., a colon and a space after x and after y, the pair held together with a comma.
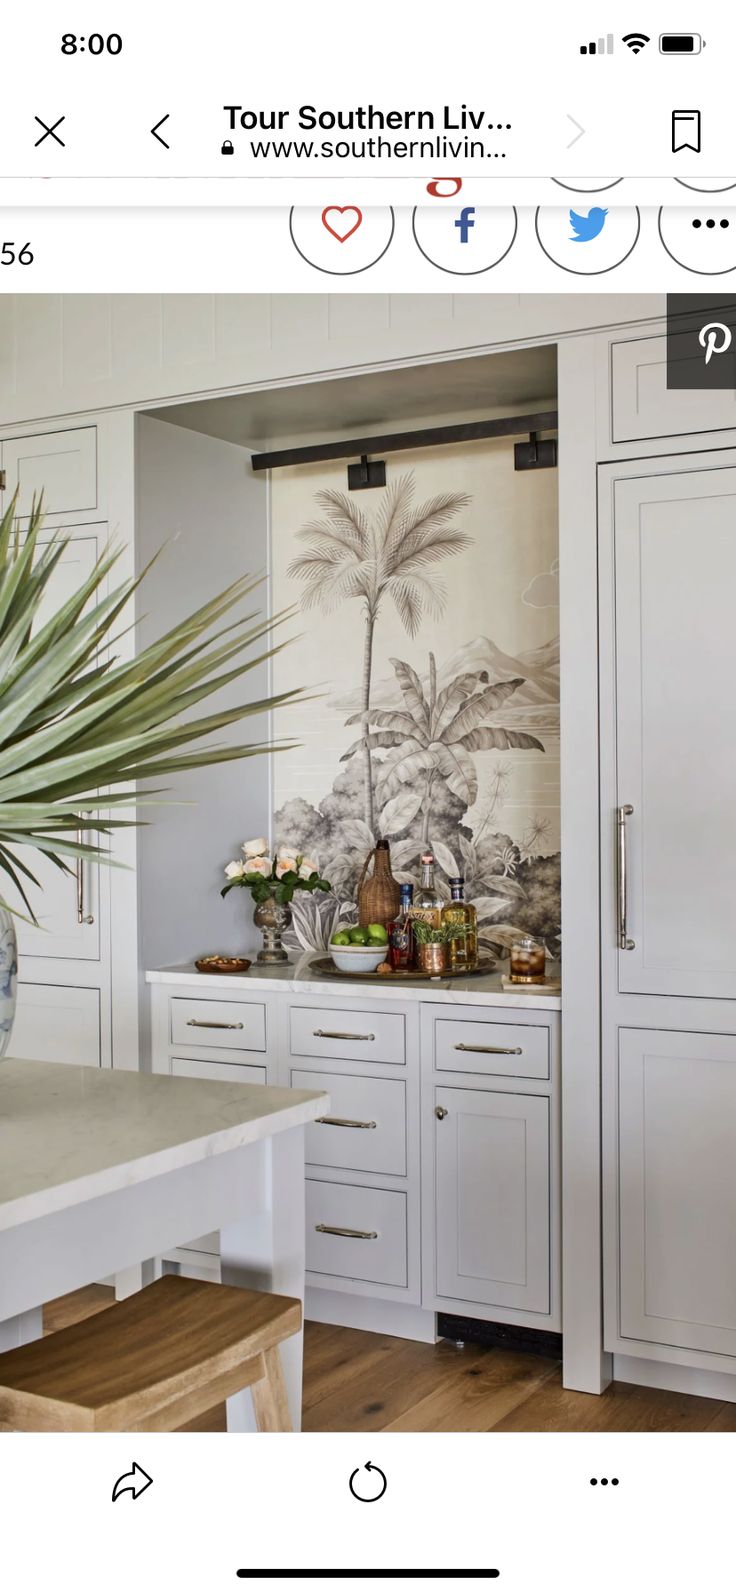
x: 75, y: 721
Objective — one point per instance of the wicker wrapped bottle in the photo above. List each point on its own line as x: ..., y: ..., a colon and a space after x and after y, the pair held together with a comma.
x: 378, y: 896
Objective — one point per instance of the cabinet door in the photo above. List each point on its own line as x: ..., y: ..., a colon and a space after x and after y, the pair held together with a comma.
x: 57, y: 904
x: 674, y: 552
x: 60, y: 464
x: 56, y: 1023
x: 492, y: 1205
x: 677, y: 1191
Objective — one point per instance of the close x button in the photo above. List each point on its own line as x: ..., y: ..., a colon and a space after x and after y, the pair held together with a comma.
x: 49, y: 131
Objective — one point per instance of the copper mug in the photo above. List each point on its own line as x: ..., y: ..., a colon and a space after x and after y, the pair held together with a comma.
x: 433, y: 960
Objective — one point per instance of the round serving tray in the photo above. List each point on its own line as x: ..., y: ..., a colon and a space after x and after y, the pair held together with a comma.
x: 326, y: 968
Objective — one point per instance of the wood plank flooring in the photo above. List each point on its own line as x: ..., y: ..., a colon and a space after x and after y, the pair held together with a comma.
x: 363, y: 1382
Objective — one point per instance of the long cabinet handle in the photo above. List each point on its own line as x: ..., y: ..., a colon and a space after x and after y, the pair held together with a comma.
x: 493, y: 1050
x: 195, y: 1022
x: 624, y: 943
x: 329, y: 1033
x: 82, y: 915
x: 343, y: 1232
x: 344, y: 1122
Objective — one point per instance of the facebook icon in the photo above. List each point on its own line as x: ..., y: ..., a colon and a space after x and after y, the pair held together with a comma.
x: 465, y: 222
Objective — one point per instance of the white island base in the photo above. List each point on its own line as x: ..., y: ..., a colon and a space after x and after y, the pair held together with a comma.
x: 100, y: 1171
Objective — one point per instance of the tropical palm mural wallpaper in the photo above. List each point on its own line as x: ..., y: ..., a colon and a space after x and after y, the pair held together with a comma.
x: 430, y: 612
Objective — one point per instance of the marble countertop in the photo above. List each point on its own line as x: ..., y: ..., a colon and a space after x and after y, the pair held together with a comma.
x: 295, y: 978
x: 69, y: 1134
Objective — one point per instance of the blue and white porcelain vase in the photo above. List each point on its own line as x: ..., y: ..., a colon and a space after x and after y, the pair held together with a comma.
x: 8, y: 977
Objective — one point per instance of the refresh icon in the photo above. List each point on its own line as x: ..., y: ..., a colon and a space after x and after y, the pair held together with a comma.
x: 368, y: 1491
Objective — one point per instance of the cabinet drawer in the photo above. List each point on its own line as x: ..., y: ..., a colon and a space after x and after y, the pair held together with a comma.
x: 226, y: 1025
x: 370, y: 1242
x: 642, y: 404
x: 347, y: 1036
x: 217, y: 1071
x: 56, y: 1023
x: 365, y: 1130
x: 61, y: 464
x: 507, y: 1050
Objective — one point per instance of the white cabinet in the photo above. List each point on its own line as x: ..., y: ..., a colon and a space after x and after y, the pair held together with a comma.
x: 67, y: 905
x: 644, y: 407
x: 55, y: 1022
x: 677, y: 1190
x: 668, y: 893
x: 408, y: 1212
x: 60, y: 464
x: 492, y: 1205
x: 670, y: 569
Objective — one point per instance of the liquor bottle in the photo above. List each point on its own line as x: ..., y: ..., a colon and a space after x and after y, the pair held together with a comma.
x: 401, y: 933
x: 462, y: 914
x: 427, y: 902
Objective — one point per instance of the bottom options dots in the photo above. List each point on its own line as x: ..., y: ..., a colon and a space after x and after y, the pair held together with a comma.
x: 604, y: 1481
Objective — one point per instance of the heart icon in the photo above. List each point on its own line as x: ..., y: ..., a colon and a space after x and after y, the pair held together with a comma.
x: 342, y: 225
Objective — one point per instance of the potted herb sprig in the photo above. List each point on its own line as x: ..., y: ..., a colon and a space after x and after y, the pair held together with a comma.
x: 433, y: 945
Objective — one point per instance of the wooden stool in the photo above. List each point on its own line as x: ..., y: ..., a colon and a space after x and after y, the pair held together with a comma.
x: 153, y: 1362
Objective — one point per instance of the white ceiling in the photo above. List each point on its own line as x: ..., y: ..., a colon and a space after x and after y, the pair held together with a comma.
x: 446, y: 390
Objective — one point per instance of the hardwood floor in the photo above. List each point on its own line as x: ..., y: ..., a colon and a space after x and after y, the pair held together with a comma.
x: 362, y: 1382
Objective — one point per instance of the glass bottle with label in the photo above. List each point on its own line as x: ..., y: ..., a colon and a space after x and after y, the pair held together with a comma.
x: 427, y: 902
x: 401, y: 933
x: 462, y: 914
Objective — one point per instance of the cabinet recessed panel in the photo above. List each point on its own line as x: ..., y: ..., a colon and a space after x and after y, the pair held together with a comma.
x: 60, y: 464
x: 677, y: 1189
x: 675, y: 576
x: 492, y: 1198
x: 56, y: 1023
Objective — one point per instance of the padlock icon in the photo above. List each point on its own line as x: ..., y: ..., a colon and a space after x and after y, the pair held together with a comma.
x: 227, y: 148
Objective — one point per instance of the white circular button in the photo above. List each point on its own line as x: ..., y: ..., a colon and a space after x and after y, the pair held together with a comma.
x: 701, y: 240
x: 706, y: 184
x: 341, y: 239
x: 588, y: 239
x: 464, y: 239
x: 587, y: 184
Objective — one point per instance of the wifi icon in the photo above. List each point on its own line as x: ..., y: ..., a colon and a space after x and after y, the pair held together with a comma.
x: 635, y: 41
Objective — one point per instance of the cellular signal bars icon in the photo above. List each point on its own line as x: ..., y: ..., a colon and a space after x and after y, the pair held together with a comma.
x: 602, y: 47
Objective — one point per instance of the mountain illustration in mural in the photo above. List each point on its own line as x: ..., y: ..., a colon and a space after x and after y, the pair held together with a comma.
x: 435, y: 742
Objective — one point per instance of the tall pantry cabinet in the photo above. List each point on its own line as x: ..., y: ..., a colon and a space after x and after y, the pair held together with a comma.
x: 667, y: 572
x: 78, y: 969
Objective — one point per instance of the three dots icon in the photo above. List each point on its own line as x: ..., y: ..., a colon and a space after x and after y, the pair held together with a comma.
x: 604, y: 1481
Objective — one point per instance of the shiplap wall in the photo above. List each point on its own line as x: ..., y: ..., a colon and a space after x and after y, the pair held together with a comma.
x: 64, y: 354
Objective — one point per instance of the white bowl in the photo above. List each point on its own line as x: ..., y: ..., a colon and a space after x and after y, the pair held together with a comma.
x: 358, y: 958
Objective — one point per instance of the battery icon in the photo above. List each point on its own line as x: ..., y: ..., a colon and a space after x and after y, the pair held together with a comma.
x: 680, y: 43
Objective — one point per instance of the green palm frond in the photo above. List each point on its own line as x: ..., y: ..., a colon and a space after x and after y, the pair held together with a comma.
x: 75, y: 720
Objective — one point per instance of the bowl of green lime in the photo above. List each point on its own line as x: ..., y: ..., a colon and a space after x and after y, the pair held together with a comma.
x: 361, y: 949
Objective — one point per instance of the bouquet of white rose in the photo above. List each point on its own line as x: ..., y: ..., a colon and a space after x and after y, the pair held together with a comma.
x: 274, y: 876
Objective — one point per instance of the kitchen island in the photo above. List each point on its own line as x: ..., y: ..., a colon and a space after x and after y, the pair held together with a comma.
x: 103, y: 1170
x: 432, y: 1184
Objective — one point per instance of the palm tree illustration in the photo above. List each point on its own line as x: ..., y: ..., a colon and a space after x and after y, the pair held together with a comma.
x: 389, y: 555
x: 434, y: 736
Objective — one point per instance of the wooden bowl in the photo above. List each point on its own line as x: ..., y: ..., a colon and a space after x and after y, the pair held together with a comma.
x: 222, y: 964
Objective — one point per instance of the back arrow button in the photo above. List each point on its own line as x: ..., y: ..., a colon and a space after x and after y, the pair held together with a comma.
x: 155, y: 130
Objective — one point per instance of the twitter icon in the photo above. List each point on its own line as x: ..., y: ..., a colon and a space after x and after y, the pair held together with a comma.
x: 585, y: 228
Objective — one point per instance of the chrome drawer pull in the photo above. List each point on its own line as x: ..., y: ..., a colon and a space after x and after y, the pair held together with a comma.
x: 493, y: 1050
x: 195, y: 1022
x: 343, y: 1232
x: 83, y: 916
x: 327, y: 1033
x: 441, y: 1112
x: 344, y: 1122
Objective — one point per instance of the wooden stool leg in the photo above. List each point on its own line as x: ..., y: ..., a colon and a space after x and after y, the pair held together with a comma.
x: 270, y: 1403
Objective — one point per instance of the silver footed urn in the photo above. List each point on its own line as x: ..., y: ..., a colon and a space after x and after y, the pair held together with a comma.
x: 272, y: 919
